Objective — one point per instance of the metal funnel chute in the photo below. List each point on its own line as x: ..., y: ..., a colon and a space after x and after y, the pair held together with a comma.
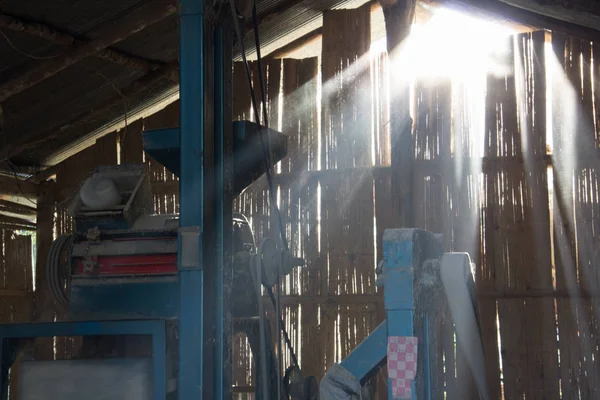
x: 248, y: 158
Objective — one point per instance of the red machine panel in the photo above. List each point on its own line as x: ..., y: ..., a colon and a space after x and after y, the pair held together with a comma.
x: 142, y: 264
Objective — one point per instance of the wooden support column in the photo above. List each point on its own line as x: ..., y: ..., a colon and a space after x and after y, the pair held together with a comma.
x: 44, y: 309
x: 399, y: 16
x: 135, y: 22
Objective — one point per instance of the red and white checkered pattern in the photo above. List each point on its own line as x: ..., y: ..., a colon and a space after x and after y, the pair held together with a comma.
x: 402, y: 365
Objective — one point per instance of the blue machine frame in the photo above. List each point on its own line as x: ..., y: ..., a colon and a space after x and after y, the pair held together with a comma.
x: 404, y: 251
x: 193, y: 262
x: 154, y: 328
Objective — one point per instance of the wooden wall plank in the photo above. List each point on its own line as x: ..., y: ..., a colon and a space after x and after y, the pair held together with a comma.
x: 300, y: 114
x: 241, y: 94
x: 166, y: 197
x: 132, y: 149
x: 517, y: 221
x: 575, y: 210
x: 346, y: 111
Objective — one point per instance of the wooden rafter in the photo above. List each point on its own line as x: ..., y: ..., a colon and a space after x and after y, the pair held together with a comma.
x: 57, y: 36
x: 143, y: 17
x: 294, y: 45
x: 496, y: 9
x: 5, y: 219
x: 168, y: 71
x: 13, y: 227
x: 16, y: 208
x: 45, y: 174
x: 10, y: 185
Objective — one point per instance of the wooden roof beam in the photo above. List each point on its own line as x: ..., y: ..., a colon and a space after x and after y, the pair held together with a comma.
x: 13, y: 186
x: 556, y: 9
x: 294, y: 45
x: 16, y: 208
x: 168, y: 71
x: 144, y: 16
x: 496, y: 9
x: 56, y: 36
x: 44, y: 174
x: 14, y: 227
x: 5, y: 219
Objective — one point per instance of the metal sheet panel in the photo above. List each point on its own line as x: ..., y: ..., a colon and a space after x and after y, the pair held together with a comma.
x: 132, y: 298
x: 115, y: 379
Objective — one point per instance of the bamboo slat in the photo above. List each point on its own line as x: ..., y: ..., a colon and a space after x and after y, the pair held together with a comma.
x: 517, y: 226
x: 346, y: 119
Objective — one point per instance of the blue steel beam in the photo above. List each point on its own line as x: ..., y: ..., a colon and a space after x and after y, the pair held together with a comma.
x: 219, y: 213
x: 369, y: 354
x: 191, y: 61
x: 155, y: 328
x: 223, y: 212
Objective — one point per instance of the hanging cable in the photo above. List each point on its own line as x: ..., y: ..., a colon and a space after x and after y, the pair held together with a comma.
x: 263, y: 90
x: 266, y: 154
x: 274, y: 207
x: 57, y: 270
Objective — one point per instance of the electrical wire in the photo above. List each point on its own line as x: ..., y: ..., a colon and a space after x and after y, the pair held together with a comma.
x: 261, y: 81
x: 286, y: 337
x: 23, y: 53
x: 18, y: 181
x: 125, y: 105
x: 266, y: 156
x: 53, y: 268
x: 275, y: 208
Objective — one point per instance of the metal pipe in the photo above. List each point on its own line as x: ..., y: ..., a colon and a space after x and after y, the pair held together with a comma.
x: 191, y: 276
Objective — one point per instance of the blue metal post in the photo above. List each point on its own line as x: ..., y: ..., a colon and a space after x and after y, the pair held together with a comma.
x: 191, y: 45
x: 223, y: 212
x: 219, y: 210
x: 398, y: 269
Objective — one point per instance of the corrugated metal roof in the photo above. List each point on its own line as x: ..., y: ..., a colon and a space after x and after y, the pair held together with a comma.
x: 80, y: 17
x: 56, y: 102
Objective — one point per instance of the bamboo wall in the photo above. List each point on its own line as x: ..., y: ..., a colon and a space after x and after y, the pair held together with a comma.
x: 483, y: 176
x: 16, y: 285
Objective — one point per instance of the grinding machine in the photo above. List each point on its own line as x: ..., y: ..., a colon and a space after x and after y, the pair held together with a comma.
x: 121, y: 265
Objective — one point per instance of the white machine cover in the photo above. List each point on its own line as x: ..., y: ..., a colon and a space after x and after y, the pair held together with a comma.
x: 340, y: 384
x: 457, y: 279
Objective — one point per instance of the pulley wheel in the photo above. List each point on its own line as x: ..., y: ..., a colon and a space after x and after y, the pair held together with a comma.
x: 271, y: 261
x: 310, y: 388
x: 293, y: 383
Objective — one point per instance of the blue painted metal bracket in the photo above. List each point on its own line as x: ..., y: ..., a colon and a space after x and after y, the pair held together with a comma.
x: 154, y: 328
x: 369, y: 354
x: 404, y: 252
